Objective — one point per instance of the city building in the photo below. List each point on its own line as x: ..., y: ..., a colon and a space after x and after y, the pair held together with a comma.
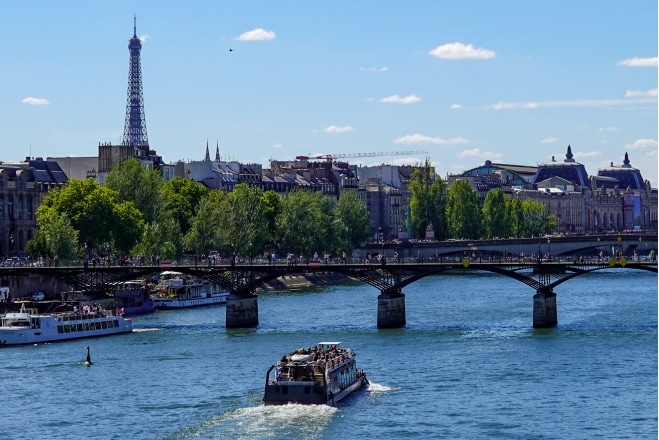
x: 616, y: 199
x: 23, y: 185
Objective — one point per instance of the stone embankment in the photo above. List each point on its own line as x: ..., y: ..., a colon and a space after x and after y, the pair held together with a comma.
x: 302, y: 281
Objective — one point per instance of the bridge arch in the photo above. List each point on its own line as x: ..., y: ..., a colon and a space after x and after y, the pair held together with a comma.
x: 243, y: 280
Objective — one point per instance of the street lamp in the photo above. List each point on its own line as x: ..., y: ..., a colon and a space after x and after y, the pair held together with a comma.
x: 11, y: 244
x: 549, y: 250
x: 233, y: 255
x: 250, y: 252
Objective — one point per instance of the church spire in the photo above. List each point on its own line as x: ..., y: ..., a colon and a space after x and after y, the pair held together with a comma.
x: 208, y: 156
x: 217, y: 151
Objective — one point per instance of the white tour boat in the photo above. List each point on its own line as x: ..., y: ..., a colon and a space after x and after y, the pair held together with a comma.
x: 176, y: 292
x: 27, y: 326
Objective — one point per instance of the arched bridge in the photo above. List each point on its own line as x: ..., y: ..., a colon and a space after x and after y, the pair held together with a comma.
x: 243, y: 280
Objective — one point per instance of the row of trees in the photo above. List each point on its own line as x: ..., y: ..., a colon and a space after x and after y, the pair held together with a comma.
x: 137, y: 213
x: 456, y: 212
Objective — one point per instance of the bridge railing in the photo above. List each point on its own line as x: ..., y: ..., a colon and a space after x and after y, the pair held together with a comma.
x: 319, y: 263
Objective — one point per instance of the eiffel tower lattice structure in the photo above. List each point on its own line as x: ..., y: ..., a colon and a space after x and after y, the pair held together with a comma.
x: 135, y: 125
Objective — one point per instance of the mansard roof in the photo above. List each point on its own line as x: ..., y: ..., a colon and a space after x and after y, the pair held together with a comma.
x: 625, y: 176
x: 568, y: 169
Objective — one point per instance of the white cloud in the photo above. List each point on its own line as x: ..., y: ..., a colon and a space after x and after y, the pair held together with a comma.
x: 276, y: 145
x: 476, y: 152
x: 257, y: 35
x: 580, y: 154
x: 461, y: 51
x: 514, y: 105
x: 456, y: 106
x: 409, y: 99
x: 335, y: 129
x: 639, y: 62
x: 576, y: 103
x: 374, y: 69
x: 35, y: 101
x: 642, y: 143
x: 549, y: 140
x: 421, y: 139
x: 612, y: 128
x: 144, y: 37
x: 636, y: 93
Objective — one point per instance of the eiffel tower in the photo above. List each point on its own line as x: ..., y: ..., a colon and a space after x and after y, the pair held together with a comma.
x: 135, y: 126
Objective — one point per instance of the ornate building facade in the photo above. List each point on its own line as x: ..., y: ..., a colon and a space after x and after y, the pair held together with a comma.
x: 22, y: 187
x: 616, y: 199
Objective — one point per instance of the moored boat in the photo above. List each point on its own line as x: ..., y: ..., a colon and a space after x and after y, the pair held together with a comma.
x: 177, y: 292
x: 322, y: 374
x: 134, y: 298
x: 28, y: 326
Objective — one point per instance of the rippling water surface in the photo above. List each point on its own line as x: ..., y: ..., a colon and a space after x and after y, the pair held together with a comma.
x: 467, y: 365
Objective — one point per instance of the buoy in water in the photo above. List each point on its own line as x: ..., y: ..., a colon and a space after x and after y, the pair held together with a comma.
x: 89, y: 358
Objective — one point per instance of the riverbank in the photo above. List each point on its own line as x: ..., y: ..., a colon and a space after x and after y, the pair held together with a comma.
x: 306, y: 280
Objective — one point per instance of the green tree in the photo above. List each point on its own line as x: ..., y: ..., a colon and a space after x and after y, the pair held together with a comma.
x: 305, y: 223
x: 463, y: 210
x: 248, y: 226
x: 495, y: 215
x: 95, y: 213
x: 428, y: 203
x: 54, y: 237
x: 210, y: 228
x: 516, y: 217
x: 180, y: 200
x: 135, y: 183
x: 272, y: 206
x: 161, y: 238
x: 536, y: 219
x: 352, y: 222
x: 128, y: 227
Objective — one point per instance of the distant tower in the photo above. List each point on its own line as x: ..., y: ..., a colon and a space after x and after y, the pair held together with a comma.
x: 135, y: 125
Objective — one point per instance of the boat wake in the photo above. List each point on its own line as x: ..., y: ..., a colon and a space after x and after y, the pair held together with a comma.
x: 141, y: 330
x: 262, y: 422
x: 379, y: 388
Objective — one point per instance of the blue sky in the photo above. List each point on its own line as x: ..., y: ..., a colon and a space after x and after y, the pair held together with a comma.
x: 465, y: 81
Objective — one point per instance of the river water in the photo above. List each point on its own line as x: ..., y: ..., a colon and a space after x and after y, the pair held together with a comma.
x: 468, y: 365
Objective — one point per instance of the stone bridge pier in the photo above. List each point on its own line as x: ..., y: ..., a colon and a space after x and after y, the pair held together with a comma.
x: 545, y: 314
x: 242, y: 310
x: 391, y: 309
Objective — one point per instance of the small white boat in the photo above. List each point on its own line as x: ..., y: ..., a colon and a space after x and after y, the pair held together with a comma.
x: 322, y: 375
x: 176, y: 292
x: 27, y: 326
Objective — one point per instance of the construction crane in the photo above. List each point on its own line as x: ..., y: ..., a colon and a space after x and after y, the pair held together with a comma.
x: 331, y: 157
